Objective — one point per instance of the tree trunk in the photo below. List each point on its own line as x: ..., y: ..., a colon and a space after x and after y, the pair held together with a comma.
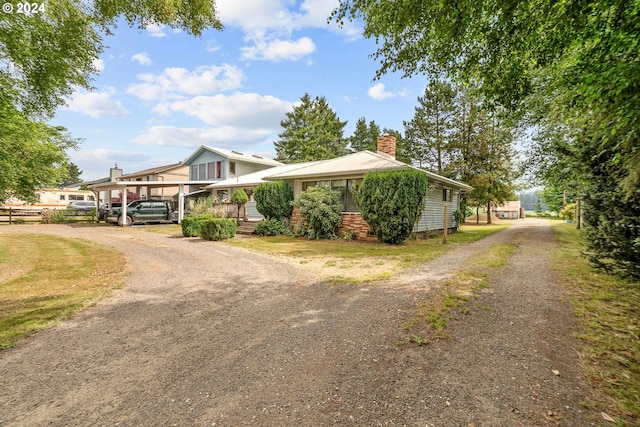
x: 477, y: 214
x: 488, y: 212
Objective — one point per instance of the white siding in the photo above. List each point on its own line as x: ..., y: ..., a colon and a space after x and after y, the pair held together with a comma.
x: 432, y: 217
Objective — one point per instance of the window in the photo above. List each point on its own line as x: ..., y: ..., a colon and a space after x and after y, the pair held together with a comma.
x: 76, y: 197
x: 62, y: 197
x: 211, y: 170
x: 232, y: 168
x: 202, y: 171
x: 194, y: 173
x: 218, y: 169
x: 343, y: 186
x: 446, y: 195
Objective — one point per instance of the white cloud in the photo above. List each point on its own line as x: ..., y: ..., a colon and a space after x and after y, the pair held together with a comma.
x: 278, y: 50
x: 229, y: 136
x: 245, y: 110
x: 110, y: 156
x: 141, y: 58
x: 98, y: 65
x: 174, y: 82
x: 212, y: 46
x: 96, y: 104
x: 155, y: 30
x: 378, y: 92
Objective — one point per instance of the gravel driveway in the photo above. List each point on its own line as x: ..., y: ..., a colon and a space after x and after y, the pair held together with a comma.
x: 205, y: 334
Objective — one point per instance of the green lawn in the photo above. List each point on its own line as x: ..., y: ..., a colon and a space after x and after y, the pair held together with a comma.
x: 609, y: 308
x: 45, y: 279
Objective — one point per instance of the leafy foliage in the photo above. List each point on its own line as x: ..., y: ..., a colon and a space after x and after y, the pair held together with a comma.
x: 273, y: 199
x: 312, y: 131
x: 209, y: 205
x: 390, y: 202
x: 192, y: 225
x: 239, y: 197
x: 219, y: 228
x: 320, y: 209
x: 273, y: 227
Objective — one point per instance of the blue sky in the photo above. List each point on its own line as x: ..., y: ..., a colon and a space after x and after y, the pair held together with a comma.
x: 159, y: 93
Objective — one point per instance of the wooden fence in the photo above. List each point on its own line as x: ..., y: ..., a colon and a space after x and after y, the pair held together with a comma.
x: 23, y: 216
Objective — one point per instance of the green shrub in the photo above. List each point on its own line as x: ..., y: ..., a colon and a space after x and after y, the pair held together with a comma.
x: 192, y: 225
x: 61, y: 216
x: 569, y: 211
x: 273, y: 227
x: 239, y: 198
x: 273, y: 199
x: 319, y: 209
x: 219, y: 228
x: 390, y: 202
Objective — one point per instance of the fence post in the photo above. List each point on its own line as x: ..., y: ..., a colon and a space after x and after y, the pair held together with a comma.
x: 446, y: 226
x: 9, y: 215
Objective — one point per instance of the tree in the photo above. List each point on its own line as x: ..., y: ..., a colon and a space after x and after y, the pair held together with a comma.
x: 273, y: 200
x: 239, y: 197
x: 44, y: 57
x: 72, y: 175
x: 319, y: 208
x: 578, y: 59
x: 403, y: 151
x: 365, y: 137
x: 32, y: 155
x: 428, y: 131
x: 312, y: 131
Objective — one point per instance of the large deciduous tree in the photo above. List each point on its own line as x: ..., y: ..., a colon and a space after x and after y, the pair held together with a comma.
x: 45, y: 56
x: 312, y: 131
x: 578, y: 58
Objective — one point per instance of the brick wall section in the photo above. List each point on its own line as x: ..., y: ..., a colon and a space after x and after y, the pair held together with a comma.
x: 350, y: 221
x: 387, y: 145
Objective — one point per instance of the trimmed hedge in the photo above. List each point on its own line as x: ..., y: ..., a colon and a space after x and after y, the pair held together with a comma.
x: 192, y: 225
x: 390, y: 202
x: 273, y: 227
x: 219, y: 228
x: 273, y: 199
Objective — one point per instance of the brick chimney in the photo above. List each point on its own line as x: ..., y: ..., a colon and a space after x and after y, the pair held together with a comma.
x: 387, y: 145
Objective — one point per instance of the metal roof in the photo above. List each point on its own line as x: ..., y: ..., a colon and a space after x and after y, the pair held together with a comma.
x: 235, y: 155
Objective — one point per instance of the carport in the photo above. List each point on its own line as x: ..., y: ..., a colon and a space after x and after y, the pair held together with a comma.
x: 124, y: 185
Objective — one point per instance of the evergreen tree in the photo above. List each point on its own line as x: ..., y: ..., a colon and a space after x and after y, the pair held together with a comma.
x: 312, y: 131
x: 72, y: 175
x: 365, y: 137
x: 428, y: 131
x: 403, y: 151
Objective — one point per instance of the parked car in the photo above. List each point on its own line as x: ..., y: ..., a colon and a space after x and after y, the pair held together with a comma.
x: 81, y: 206
x: 141, y: 211
x: 103, y: 210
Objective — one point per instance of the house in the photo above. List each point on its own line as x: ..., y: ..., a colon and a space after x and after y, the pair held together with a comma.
x: 345, y: 172
x: 509, y: 210
x: 216, y: 164
x: 172, y: 172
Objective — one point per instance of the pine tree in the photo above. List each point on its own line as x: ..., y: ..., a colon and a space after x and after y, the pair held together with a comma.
x: 312, y: 131
x: 365, y: 137
x: 429, y: 129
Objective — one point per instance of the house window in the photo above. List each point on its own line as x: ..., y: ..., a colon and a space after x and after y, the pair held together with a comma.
x: 446, y: 195
x: 343, y: 186
x: 202, y: 171
x: 211, y: 170
x: 232, y: 168
x: 218, y: 170
x: 194, y: 173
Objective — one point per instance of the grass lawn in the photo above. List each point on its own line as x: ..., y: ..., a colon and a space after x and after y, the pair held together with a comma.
x: 45, y: 279
x: 361, y: 261
x: 610, y: 311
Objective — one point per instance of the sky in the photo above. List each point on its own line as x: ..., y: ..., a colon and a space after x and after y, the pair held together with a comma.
x: 159, y: 93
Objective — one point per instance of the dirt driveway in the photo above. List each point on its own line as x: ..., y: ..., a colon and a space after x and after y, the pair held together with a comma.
x: 205, y: 334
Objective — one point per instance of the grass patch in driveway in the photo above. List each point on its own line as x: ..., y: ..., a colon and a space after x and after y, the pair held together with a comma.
x: 360, y: 261
x: 45, y: 279
x: 609, y: 308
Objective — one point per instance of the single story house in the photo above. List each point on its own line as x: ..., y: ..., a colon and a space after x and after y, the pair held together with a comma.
x: 345, y: 172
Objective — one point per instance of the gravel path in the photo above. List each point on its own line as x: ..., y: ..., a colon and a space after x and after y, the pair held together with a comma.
x: 205, y: 334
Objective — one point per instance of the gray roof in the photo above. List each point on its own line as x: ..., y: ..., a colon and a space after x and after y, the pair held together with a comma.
x: 235, y: 155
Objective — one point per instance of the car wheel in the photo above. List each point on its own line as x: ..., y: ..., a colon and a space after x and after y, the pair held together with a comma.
x: 126, y: 221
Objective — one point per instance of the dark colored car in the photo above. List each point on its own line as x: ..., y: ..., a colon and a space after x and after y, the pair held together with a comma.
x: 141, y: 211
x: 103, y: 210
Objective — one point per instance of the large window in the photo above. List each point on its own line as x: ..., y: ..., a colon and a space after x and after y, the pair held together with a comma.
x: 343, y: 186
x: 211, y: 169
x: 206, y: 171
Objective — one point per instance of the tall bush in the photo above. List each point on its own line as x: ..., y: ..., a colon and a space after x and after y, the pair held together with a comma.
x: 319, y: 209
x: 192, y: 225
x: 390, y: 202
x: 239, y: 198
x: 273, y: 199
